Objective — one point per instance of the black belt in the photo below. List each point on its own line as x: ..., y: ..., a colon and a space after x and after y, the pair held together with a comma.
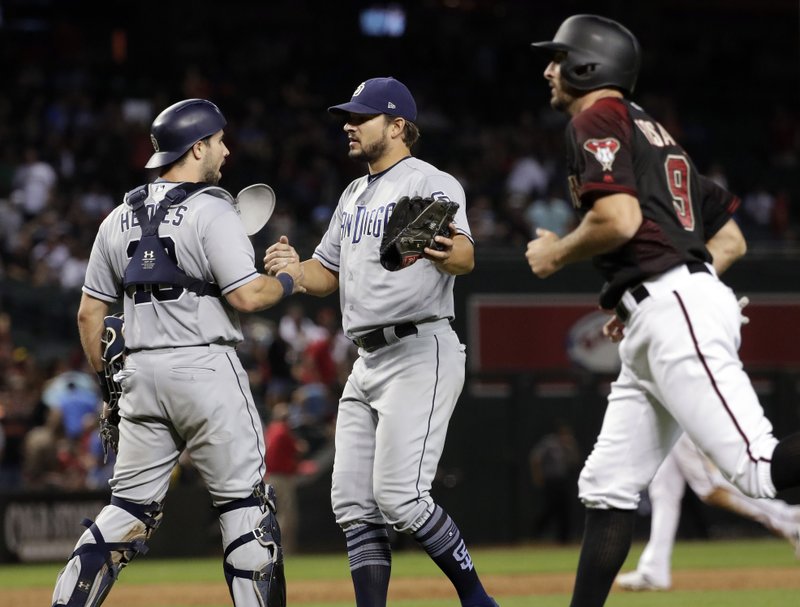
x: 640, y: 292
x: 374, y: 340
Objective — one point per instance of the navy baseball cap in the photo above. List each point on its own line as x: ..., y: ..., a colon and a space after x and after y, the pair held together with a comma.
x: 380, y: 96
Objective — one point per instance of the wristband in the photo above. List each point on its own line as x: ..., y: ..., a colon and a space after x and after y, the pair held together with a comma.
x: 287, y: 282
x: 101, y: 378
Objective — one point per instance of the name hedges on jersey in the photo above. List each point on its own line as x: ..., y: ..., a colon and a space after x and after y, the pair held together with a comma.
x: 128, y: 220
x: 365, y: 222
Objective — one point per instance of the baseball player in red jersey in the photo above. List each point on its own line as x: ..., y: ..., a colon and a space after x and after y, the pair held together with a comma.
x: 648, y: 221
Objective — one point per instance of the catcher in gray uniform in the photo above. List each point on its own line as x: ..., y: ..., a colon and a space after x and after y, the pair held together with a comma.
x: 176, y: 253
x: 397, y: 403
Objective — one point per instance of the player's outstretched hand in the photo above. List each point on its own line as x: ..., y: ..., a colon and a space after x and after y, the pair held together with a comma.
x: 444, y: 246
x: 743, y: 301
x: 614, y: 329
x: 279, y: 256
x: 541, y: 253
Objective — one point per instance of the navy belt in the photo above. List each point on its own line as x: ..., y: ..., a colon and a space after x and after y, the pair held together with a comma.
x: 375, y: 340
x: 640, y: 292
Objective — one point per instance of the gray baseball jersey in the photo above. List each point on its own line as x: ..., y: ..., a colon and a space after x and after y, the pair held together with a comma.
x: 169, y: 316
x: 395, y: 408
x: 370, y: 296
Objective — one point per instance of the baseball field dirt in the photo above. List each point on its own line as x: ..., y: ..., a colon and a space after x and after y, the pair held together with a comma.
x: 309, y: 591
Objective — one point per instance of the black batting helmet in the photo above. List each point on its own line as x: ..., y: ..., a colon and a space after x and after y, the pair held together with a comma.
x: 599, y: 53
x: 179, y: 127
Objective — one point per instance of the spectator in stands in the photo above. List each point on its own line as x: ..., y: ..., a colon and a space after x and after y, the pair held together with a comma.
x: 35, y: 181
x: 41, y: 467
x: 483, y: 220
x: 20, y: 388
x: 279, y: 359
x: 527, y: 176
x: 284, y: 452
x: 326, y: 352
x: 757, y: 215
x: 554, y: 463
x: 95, y: 201
x: 311, y: 411
x: 73, y: 270
x: 79, y: 407
x: 550, y: 212
x: 298, y: 330
x: 58, y: 453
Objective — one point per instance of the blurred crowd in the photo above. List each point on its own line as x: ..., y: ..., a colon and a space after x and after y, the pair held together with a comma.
x: 74, y: 124
x: 49, y: 411
x: 54, y: 191
x: 74, y: 136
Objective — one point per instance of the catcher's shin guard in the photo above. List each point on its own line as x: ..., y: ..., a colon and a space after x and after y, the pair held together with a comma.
x: 99, y: 556
x: 253, y: 561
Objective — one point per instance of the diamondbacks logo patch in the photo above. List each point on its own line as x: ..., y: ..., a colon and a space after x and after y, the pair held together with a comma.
x: 604, y: 151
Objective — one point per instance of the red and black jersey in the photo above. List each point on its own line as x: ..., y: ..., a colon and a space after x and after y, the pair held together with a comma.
x: 615, y: 147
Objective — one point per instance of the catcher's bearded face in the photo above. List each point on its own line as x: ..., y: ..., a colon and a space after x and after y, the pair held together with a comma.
x: 368, y: 137
x: 215, y: 154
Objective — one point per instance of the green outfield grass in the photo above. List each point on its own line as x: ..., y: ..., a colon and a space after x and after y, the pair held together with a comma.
x: 735, y: 555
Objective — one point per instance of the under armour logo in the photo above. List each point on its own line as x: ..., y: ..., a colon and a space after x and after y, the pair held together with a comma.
x: 149, y: 255
x: 462, y: 556
x: 84, y: 586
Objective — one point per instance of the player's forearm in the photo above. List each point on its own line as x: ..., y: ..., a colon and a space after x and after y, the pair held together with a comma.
x: 319, y: 280
x: 91, y: 313
x: 259, y: 294
x: 609, y: 224
x: 462, y: 257
x: 595, y: 235
x: 726, y: 246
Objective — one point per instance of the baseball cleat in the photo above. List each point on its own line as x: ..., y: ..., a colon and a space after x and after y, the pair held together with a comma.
x: 637, y: 581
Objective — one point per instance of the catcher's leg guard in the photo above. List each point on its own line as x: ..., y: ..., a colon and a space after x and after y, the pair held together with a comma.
x: 111, y: 542
x: 253, y: 560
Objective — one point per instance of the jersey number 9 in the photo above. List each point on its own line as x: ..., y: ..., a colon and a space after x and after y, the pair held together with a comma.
x: 677, y: 169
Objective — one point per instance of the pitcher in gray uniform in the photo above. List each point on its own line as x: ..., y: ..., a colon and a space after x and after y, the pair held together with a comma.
x: 183, y: 386
x: 397, y: 403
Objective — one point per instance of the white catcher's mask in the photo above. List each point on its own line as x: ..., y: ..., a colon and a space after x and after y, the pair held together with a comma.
x: 255, y: 205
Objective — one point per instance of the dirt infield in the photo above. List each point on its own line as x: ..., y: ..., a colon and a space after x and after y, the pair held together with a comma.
x: 408, y: 588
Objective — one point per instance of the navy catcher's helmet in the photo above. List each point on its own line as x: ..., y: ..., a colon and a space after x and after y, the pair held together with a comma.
x: 179, y: 127
x: 599, y: 53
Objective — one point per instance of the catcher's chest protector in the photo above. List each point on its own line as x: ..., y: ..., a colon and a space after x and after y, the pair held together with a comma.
x: 150, y: 264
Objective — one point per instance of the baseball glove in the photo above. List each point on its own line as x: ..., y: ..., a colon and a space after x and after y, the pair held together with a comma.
x: 113, y: 356
x: 412, y: 227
